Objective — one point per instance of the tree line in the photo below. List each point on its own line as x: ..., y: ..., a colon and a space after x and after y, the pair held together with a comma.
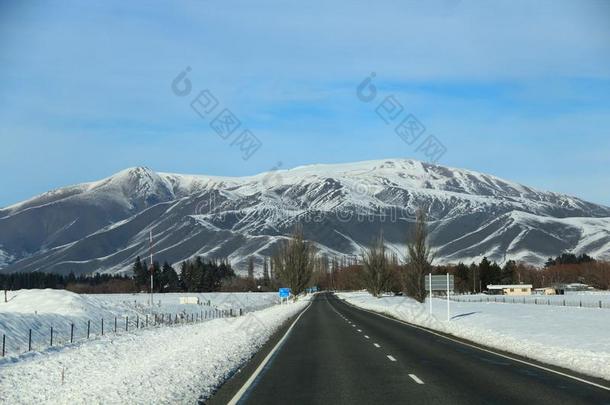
x: 474, y: 277
x: 17, y: 281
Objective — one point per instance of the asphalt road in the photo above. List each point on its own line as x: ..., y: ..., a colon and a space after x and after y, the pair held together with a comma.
x: 338, y: 354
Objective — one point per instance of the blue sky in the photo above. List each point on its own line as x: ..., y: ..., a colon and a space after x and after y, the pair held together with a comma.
x: 516, y: 89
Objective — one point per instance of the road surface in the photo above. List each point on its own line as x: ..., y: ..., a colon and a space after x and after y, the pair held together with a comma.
x: 338, y: 354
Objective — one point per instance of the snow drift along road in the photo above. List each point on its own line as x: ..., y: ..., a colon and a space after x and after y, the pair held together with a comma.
x: 167, y: 365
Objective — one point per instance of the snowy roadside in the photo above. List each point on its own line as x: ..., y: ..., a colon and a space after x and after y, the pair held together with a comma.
x: 167, y: 365
x: 573, y: 338
x: 40, y: 310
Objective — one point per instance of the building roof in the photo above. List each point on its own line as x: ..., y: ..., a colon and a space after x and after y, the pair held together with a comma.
x: 503, y: 286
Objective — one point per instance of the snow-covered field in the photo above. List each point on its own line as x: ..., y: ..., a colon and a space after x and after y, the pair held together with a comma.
x: 162, y: 365
x: 574, y: 338
x: 39, y: 310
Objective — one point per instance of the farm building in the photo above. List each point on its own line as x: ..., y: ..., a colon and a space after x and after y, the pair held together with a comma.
x: 510, y: 289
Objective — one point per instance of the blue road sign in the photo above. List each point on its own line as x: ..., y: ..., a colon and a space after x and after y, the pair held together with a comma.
x: 284, y: 292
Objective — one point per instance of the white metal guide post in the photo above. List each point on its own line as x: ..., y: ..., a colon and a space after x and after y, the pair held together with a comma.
x: 430, y: 292
x: 448, y: 312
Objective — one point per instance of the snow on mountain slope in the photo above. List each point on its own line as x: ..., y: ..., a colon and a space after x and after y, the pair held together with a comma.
x: 67, y: 215
x: 5, y: 258
x: 340, y: 206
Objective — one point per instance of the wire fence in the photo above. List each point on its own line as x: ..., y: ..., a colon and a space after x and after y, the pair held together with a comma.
x: 38, y: 337
x: 560, y: 302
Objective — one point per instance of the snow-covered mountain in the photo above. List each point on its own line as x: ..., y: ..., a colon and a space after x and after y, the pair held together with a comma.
x: 104, y: 225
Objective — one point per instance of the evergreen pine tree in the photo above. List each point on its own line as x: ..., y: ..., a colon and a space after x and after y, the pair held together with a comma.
x: 139, y: 273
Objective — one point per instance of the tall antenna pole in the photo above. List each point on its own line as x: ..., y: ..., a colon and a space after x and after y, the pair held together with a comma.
x: 152, y: 269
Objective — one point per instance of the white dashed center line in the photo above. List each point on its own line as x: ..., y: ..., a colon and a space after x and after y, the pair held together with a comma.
x: 359, y: 330
x: 366, y: 336
x: 392, y: 359
x: 376, y: 345
x: 416, y: 379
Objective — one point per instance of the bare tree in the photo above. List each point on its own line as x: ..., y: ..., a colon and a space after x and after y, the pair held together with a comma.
x: 420, y: 259
x: 251, y: 268
x: 266, y: 278
x: 294, y: 262
x: 376, y: 267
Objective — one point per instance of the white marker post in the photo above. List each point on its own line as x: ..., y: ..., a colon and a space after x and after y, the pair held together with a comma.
x: 152, y: 270
x: 448, y: 312
x: 430, y: 289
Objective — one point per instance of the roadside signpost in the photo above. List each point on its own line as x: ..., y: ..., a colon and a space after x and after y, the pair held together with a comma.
x: 440, y: 283
x: 284, y: 294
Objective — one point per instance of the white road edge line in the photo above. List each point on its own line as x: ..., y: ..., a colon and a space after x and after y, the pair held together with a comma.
x: 484, y: 350
x: 416, y: 379
x: 261, y: 366
x: 376, y: 345
x: 391, y: 358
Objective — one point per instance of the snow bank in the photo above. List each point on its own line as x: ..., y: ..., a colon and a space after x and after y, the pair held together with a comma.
x: 39, y: 310
x: 166, y: 365
x: 574, y: 338
x: 170, y: 302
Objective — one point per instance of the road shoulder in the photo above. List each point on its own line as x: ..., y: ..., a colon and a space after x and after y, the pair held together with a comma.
x: 233, y: 384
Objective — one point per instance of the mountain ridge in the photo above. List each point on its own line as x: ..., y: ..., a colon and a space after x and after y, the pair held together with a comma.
x: 94, y: 226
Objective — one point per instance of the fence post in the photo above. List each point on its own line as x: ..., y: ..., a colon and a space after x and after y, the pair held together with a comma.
x: 3, y: 344
x: 564, y: 302
x: 126, y: 324
x: 30, y: 341
x: 51, y: 336
x: 115, y: 324
x: 102, y: 326
x: 147, y: 320
x: 71, y: 333
x: 580, y: 303
x: 600, y: 303
x: 88, y: 328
